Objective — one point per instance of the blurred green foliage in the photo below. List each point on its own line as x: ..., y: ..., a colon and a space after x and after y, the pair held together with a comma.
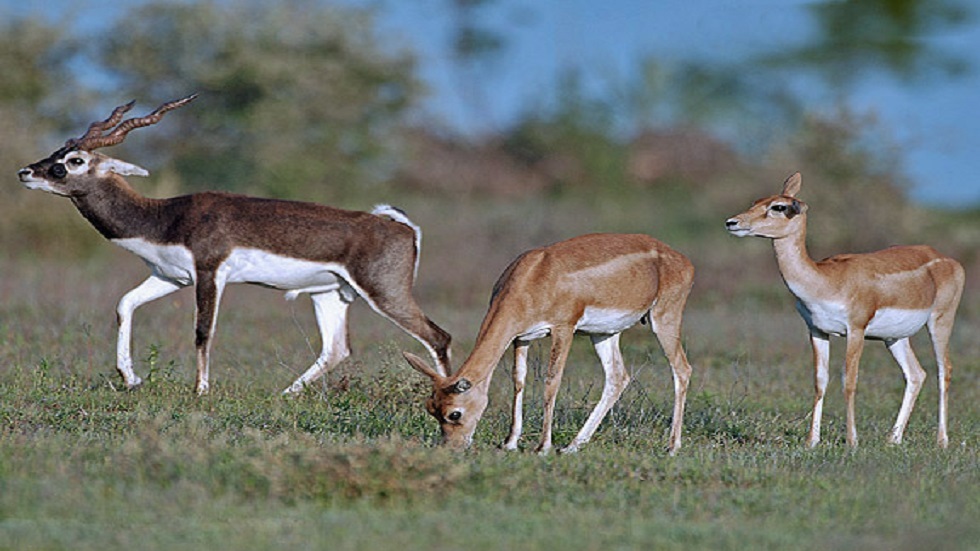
x: 856, y: 38
x: 292, y: 92
x: 307, y: 100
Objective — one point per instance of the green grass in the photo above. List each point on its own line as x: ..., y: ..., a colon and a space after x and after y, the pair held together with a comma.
x: 351, y: 465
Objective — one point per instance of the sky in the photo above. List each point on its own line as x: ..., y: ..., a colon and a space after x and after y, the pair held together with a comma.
x: 937, y: 124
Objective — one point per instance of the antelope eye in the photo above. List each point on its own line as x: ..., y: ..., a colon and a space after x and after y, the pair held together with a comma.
x: 76, y: 161
x: 59, y: 171
x: 778, y: 208
x: 455, y: 416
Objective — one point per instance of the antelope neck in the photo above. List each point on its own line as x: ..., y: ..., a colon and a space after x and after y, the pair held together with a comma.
x: 117, y: 211
x: 795, y: 264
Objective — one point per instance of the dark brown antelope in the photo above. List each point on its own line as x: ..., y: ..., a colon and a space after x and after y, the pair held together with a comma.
x: 211, y: 239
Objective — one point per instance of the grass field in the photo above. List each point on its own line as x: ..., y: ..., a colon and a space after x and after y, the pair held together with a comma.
x: 351, y: 465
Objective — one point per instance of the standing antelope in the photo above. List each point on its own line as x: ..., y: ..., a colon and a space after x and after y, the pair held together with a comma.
x: 600, y: 285
x: 211, y: 239
x: 886, y: 295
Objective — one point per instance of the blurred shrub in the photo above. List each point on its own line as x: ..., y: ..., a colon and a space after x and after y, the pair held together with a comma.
x: 298, y: 98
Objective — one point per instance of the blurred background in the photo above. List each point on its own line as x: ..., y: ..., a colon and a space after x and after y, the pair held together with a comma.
x: 501, y: 125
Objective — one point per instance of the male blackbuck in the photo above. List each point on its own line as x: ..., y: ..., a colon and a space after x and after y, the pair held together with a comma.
x: 600, y: 285
x: 886, y: 295
x: 211, y: 239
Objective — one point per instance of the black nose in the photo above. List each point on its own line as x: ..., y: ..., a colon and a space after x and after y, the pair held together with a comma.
x: 730, y: 222
x: 24, y: 172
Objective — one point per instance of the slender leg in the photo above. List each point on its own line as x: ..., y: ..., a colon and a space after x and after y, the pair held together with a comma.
x: 210, y: 287
x: 151, y: 289
x: 331, y: 318
x: 668, y: 331
x: 607, y: 347
x: 400, y: 307
x: 519, y: 375
x: 940, y: 329
x: 855, y: 346
x: 901, y: 350
x: 820, y: 342
x: 561, y: 343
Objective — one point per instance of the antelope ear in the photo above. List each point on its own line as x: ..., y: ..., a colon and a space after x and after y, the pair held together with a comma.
x: 792, y: 185
x: 121, y: 168
x: 422, y: 367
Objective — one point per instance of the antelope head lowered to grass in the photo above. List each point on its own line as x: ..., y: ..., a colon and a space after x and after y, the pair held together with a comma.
x: 598, y: 284
x: 211, y: 239
x: 886, y: 295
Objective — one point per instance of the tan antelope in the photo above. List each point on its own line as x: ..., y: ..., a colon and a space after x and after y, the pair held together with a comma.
x: 211, y: 239
x: 598, y: 284
x: 886, y: 295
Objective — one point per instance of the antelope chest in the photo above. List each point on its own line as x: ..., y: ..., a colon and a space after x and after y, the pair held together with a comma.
x: 173, y: 262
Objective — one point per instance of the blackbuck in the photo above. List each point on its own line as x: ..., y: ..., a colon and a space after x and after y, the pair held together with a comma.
x: 886, y: 295
x: 211, y: 239
x: 600, y: 285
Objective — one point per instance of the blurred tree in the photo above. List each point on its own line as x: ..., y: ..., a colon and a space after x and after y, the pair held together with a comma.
x: 574, y: 143
x: 740, y: 105
x: 35, y: 73
x: 298, y: 98
x: 856, y: 37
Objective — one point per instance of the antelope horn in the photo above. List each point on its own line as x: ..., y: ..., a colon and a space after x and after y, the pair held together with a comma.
x: 97, y: 128
x: 93, y: 138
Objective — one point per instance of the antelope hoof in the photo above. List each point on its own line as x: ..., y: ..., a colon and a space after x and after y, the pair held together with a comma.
x: 569, y: 449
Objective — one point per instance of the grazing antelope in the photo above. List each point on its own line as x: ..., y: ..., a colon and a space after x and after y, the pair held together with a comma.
x: 211, y: 239
x: 886, y: 295
x: 598, y: 284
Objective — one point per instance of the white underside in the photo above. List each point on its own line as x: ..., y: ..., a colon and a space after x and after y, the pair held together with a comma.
x: 603, y: 321
x: 887, y: 323
x: 175, y: 263
x: 594, y: 321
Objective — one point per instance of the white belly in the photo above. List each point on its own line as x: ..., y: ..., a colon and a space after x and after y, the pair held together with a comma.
x: 281, y: 272
x: 887, y: 323
x: 892, y: 323
x: 175, y: 262
x: 607, y: 322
